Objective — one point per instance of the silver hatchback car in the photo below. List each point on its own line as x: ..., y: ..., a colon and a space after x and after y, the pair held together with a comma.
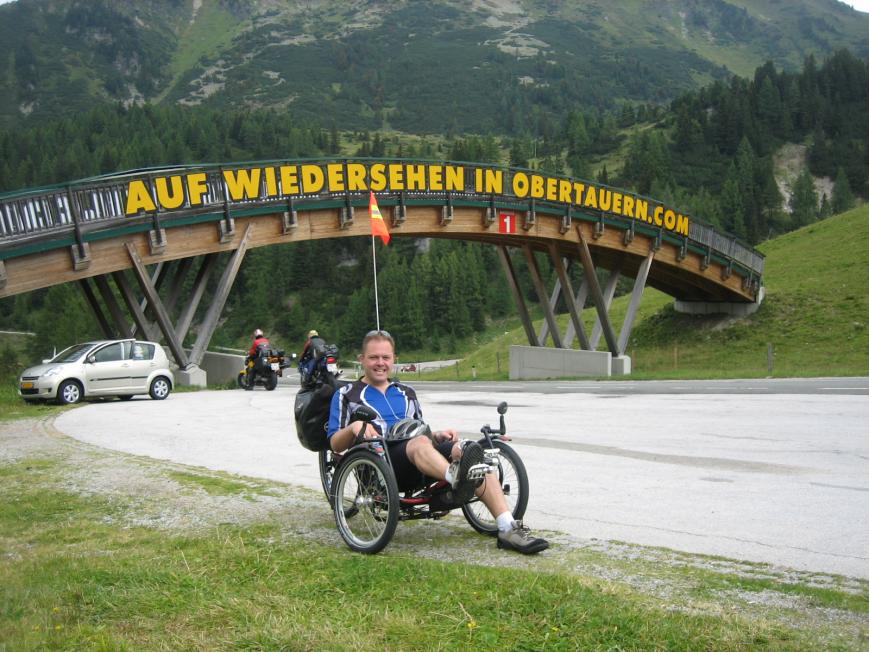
x: 120, y: 368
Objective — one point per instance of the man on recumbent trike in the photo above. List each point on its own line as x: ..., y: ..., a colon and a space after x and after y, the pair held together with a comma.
x: 441, y: 455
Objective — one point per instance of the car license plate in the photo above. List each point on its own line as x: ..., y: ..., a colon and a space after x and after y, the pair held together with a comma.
x: 26, y: 385
x: 332, y: 368
x: 275, y: 366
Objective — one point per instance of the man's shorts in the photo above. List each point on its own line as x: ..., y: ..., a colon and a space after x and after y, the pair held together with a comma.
x: 406, y: 474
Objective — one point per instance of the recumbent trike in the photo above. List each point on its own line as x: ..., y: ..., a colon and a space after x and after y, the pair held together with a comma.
x: 361, y: 488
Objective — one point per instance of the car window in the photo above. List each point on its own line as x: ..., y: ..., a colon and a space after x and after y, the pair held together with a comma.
x: 73, y: 353
x: 142, y: 351
x: 110, y: 353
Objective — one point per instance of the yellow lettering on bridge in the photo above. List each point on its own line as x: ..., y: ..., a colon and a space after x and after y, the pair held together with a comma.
x: 173, y: 192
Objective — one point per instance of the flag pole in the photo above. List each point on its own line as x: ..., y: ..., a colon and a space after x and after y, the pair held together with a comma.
x: 374, y: 263
x: 377, y: 228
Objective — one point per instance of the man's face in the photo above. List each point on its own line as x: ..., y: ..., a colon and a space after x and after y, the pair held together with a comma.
x: 377, y: 360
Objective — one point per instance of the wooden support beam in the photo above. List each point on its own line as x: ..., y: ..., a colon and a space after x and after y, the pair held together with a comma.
x: 219, y: 299
x: 553, y: 302
x: 540, y: 289
x: 94, y: 304
x: 122, y: 324
x: 609, y: 291
x: 513, y: 282
x: 636, y: 296
x: 573, y: 310
x: 202, y: 276
x: 571, y: 330
x: 596, y: 294
x: 133, y: 306
x: 156, y: 304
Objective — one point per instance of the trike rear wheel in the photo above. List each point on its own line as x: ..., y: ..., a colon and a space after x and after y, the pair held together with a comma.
x: 514, y: 482
x: 327, y: 471
x: 365, y: 501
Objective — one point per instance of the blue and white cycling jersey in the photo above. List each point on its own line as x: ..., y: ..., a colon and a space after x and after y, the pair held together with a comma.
x: 398, y: 402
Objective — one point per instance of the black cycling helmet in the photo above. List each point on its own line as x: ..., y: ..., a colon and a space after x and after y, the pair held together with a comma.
x: 408, y: 428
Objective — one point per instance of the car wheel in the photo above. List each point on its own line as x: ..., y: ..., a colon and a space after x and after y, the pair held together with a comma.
x: 125, y: 397
x: 69, y: 392
x: 160, y: 388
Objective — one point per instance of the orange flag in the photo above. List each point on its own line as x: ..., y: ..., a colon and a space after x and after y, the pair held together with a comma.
x: 378, y: 226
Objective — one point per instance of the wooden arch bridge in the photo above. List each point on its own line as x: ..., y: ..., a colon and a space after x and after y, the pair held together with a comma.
x: 148, y: 230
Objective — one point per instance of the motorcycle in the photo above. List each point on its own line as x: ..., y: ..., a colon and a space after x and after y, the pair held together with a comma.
x: 264, y: 370
x: 323, y: 370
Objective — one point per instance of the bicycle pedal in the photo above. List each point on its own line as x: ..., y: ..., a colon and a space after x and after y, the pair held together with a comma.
x: 491, y: 457
x: 478, y: 471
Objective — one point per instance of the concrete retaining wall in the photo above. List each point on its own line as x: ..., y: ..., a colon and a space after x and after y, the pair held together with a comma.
x: 529, y: 362
x: 221, y: 367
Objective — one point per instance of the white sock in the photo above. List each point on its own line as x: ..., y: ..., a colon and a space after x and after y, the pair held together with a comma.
x: 448, y: 476
x: 505, y: 521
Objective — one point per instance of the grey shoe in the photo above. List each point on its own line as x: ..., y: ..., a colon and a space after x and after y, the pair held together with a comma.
x: 468, y: 471
x: 519, y: 538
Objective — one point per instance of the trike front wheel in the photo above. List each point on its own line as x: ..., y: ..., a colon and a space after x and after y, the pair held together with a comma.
x: 365, y: 502
x: 514, y: 483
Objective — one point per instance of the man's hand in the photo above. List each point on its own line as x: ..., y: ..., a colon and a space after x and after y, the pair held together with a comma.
x: 445, y: 435
x: 364, y: 430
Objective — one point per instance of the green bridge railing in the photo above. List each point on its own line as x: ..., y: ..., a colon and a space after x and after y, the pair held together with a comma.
x: 79, y: 208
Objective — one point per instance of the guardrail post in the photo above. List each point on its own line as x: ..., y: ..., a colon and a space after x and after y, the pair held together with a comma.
x: 530, y: 216
x: 491, y: 213
x: 289, y: 218
x: 81, y: 255
x: 566, y: 221
x: 599, y: 227
x: 226, y: 227
x: 3, y: 276
x: 683, y: 249
x: 399, y: 211
x: 655, y: 244
x: 447, y: 210
x: 629, y: 234
x: 345, y: 215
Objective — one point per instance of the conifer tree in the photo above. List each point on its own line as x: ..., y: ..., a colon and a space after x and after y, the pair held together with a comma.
x: 843, y: 198
x: 804, y: 200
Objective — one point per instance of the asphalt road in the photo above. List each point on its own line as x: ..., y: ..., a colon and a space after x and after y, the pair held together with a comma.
x: 771, y: 471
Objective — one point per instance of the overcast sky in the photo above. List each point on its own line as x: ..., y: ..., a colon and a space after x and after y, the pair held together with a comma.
x: 859, y: 5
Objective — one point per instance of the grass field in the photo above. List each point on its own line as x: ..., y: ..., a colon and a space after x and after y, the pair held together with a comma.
x: 81, y: 572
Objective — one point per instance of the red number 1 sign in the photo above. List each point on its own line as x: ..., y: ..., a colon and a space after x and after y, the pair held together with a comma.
x: 506, y: 223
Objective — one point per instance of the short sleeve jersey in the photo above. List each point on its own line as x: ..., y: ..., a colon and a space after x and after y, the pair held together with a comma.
x: 397, y: 402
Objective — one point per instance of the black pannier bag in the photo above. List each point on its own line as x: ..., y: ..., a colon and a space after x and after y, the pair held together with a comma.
x: 312, y: 415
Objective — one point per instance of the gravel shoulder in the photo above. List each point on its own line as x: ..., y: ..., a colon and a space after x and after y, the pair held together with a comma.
x: 176, y: 498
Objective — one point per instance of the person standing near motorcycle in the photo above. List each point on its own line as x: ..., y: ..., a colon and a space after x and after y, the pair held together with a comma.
x: 260, y: 341
x: 419, y: 456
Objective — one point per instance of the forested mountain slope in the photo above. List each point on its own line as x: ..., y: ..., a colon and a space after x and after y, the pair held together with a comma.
x: 421, y: 67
